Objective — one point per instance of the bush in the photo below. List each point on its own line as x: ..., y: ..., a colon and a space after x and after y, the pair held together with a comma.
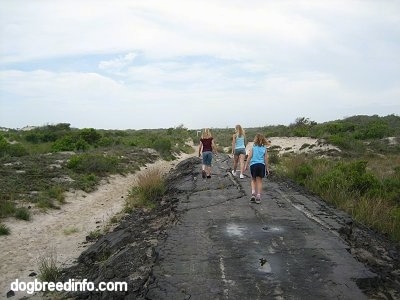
x: 273, y: 157
x: 14, y: 150
x: 87, y: 182
x: 4, y: 230
x: 90, y: 135
x: 22, y: 213
x: 302, y: 173
x: 350, y: 177
x: 93, y: 163
x: 66, y: 143
x: 7, y: 206
x: 162, y: 145
x: 150, y: 188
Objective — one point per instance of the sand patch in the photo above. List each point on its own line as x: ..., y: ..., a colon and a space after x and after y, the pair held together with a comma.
x: 298, y: 145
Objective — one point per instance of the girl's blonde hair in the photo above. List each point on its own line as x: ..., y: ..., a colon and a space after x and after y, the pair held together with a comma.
x: 239, y: 130
x: 260, y: 140
x: 206, y: 133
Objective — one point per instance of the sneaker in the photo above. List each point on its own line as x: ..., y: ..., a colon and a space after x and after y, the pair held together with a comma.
x: 233, y: 173
x: 241, y: 176
x: 258, y: 200
x: 208, y: 176
x: 253, y: 199
x: 203, y: 174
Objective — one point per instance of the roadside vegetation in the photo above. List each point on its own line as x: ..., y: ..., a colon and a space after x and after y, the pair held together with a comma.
x: 38, y: 166
x: 148, y: 191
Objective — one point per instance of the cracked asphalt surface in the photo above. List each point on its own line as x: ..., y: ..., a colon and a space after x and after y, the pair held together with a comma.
x: 223, y: 247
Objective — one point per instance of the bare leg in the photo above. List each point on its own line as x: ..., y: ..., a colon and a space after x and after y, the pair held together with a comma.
x: 253, y: 185
x: 258, y: 185
x: 235, y: 162
x: 241, y: 159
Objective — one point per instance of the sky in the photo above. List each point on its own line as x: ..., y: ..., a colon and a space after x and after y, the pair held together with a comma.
x: 133, y: 64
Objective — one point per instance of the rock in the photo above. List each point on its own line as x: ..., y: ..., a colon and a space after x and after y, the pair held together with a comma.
x: 10, y: 294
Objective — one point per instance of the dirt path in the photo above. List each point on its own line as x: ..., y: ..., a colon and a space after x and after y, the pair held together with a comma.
x: 63, y: 231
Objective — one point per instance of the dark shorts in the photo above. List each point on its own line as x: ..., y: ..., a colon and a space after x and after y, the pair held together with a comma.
x: 257, y: 170
x: 240, y: 151
x: 207, y: 158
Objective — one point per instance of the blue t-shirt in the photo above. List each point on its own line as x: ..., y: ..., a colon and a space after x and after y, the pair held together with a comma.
x: 240, y: 142
x: 258, y: 155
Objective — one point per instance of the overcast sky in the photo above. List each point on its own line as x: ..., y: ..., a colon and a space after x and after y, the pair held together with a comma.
x: 206, y: 63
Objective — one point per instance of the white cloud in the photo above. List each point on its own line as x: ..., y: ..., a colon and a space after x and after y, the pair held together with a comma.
x: 117, y: 64
x: 161, y: 63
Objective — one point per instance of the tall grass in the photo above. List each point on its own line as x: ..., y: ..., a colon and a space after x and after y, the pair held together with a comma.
x: 370, y: 198
x: 48, y: 269
x: 150, y: 187
x: 4, y: 230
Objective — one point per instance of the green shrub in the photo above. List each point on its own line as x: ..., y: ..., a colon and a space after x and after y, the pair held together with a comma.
x: 302, y: 173
x: 17, y: 150
x: 162, y: 145
x: 106, y: 142
x: 56, y: 192
x: 13, y: 150
x: 7, y: 206
x: 44, y: 202
x: 66, y: 143
x: 90, y: 135
x: 81, y: 145
x: 22, y: 213
x: 273, y: 157
x: 4, y: 230
x: 93, y: 163
x: 351, y: 177
x: 87, y: 182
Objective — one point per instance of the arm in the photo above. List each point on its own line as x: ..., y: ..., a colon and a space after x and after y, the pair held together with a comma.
x: 248, y: 159
x: 200, y: 148
x: 233, y: 143
x: 266, y: 161
x: 214, y: 147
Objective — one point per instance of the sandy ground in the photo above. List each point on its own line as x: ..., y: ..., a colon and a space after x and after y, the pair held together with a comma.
x: 63, y: 231
x: 293, y: 144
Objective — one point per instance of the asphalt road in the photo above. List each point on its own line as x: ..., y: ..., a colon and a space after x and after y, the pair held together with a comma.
x: 223, y: 247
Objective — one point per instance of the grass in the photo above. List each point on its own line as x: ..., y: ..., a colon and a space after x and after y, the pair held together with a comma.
x: 7, y: 205
x: 4, y: 230
x: 95, y: 234
x: 149, y: 189
x: 70, y: 230
x: 48, y: 269
x: 22, y: 213
x: 367, y: 188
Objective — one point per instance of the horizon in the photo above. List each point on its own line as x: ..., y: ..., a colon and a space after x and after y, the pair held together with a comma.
x: 161, y: 128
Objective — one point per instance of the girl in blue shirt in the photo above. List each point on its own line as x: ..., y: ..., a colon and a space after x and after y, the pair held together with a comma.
x: 238, y: 149
x: 258, y: 160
